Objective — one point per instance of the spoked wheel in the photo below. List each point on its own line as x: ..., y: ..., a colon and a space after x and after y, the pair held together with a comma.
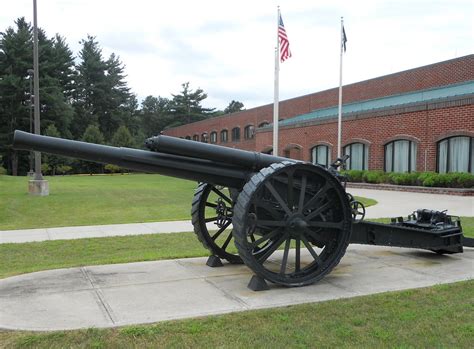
x: 358, y: 210
x: 292, y: 223
x: 213, y: 205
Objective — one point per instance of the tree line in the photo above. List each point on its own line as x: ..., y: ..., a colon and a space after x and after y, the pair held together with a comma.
x: 83, y: 97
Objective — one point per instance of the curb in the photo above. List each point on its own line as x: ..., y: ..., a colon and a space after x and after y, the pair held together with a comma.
x: 415, y: 189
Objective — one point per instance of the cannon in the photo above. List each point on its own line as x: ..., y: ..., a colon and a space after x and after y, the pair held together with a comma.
x: 289, y: 221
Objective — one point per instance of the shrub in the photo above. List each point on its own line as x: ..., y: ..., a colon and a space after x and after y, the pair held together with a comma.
x: 376, y: 177
x: 426, y: 179
x: 354, y: 175
x: 45, y: 169
x: 2, y: 171
x: 403, y: 178
x: 63, y: 169
x: 109, y: 168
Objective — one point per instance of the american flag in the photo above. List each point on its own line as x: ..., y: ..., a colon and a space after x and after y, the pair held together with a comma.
x: 285, y: 52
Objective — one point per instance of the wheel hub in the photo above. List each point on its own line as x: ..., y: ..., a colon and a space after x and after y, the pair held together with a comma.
x: 296, y: 224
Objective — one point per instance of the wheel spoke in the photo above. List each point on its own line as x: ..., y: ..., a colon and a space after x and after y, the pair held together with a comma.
x: 222, y: 195
x: 331, y: 225
x: 226, y: 243
x: 319, y: 195
x: 316, y: 236
x: 311, y: 250
x: 269, y: 208
x: 284, y: 262
x: 297, y: 255
x: 272, y: 249
x: 290, y: 188
x: 210, y: 204
x: 319, y: 210
x: 267, y: 223
x: 212, y: 219
x: 277, y: 196
x: 266, y: 237
x: 302, y: 193
x: 219, y: 232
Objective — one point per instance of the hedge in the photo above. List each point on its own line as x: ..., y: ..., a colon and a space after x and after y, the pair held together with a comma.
x: 425, y: 179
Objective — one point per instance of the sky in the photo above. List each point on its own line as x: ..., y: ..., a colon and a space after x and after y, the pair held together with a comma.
x: 227, y: 47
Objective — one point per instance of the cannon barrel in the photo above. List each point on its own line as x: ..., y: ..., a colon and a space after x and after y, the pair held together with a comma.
x: 200, y: 170
x: 246, y: 159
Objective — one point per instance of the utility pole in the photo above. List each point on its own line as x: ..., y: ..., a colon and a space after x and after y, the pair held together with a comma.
x: 37, y: 186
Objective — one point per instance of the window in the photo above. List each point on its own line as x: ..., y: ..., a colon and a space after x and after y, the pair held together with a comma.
x: 196, y: 138
x: 292, y: 152
x: 456, y: 154
x: 321, y: 155
x: 213, y: 137
x: 204, y: 137
x: 249, y: 132
x: 400, y: 156
x: 235, y: 134
x: 188, y: 137
x: 359, y: 156
x: 224, y: 136
x: 263, y: 124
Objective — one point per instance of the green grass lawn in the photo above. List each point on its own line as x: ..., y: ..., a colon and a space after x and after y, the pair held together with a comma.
x: 435, y: 317
x: 96, y: 200
x: 36, y: 256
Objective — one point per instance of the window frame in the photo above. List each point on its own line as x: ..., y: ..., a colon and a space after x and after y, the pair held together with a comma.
x: 226, y: 132
x: 470, y: 165
x: 235, y: 136
x: 213, y: 137
x: 392, y: 161
x: 365, y: 155
x: 315, y: 150
x: 249, y: 132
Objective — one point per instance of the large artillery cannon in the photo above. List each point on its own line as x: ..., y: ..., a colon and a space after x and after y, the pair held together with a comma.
x: 290, y: 221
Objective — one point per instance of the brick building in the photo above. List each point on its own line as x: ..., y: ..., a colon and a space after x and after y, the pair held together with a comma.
x: 420, y: 119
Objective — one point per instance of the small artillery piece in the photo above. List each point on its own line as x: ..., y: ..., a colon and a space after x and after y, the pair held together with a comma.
x: 290, y: 221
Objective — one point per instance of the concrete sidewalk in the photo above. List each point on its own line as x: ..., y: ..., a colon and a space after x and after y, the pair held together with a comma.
x: 390, y: 204
x: 124, y: 294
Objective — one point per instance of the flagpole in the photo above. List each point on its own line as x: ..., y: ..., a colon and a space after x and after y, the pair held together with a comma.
x: 339, y: 119
x: 276, y: 89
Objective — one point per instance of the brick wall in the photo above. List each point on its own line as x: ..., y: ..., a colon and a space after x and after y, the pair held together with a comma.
x: 425, y: 125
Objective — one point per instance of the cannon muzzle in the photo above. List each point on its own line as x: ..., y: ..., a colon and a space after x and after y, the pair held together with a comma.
x: 200, y: 170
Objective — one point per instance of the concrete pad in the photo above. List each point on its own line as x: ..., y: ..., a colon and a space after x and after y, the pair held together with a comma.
x: 123, y: 294
x: 167, y: 300
x: 78, y: 309
x: 398, y: 203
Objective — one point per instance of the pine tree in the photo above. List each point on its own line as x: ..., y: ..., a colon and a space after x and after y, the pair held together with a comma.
x: 155, y: 115
x: 92, y: 134
x: 186, y: 107
x: 16, y: 57
x: 89, y: 87
x: 233, y: 107
x: 122, y: 138
x: 102, y: 96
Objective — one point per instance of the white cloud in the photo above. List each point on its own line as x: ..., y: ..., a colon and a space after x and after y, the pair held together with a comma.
x: 227, y: 48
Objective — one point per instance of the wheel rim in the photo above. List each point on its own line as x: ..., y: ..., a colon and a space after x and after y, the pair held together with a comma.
x: 216, y: 208
x: 293, y: 223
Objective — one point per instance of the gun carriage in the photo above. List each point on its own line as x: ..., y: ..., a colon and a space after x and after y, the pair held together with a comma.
x: 290, y: 221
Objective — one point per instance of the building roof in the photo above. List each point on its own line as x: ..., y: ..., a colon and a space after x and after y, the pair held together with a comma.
x: 421, y: 96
